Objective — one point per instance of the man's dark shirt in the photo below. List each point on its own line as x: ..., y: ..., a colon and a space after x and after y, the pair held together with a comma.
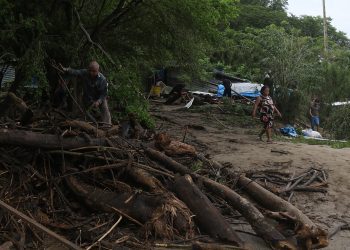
x: 93, y: 90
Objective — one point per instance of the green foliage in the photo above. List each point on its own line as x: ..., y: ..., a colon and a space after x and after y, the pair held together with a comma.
x: 196, y: 166
x: 339, y: 122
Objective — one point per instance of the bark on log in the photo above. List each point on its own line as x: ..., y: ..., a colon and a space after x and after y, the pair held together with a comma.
x: 167, y: 161
x: 90, y: 129
x: 308, y: 233
x: 170, y: 147
x: 12, y: 100
x: 32, y: 139
x: 255, y: 218
x: 156, y: 212
x: 207, y: 217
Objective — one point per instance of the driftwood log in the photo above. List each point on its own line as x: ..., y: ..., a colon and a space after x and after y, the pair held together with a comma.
x: 154, y: 212
x: 309, y: 235
x: 207, y: 217
x: 32, y: 139
x: 256, y: 219
x: 90, y: 129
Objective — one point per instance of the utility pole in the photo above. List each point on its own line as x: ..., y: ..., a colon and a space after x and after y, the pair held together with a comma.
x: 325, y: 29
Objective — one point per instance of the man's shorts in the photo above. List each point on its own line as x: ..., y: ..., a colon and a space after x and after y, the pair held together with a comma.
x: 315, y: 121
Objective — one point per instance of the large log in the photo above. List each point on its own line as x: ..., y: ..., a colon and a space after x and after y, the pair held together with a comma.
x: 162, y: 214
x: 308, y: 233
x: 255, y: 218
x: 207, y: 217
x: 32, y: 139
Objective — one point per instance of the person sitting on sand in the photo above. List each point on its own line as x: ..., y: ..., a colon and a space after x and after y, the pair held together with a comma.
x: 266, y: 108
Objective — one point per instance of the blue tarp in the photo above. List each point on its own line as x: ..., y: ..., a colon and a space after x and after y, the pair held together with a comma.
x: 220, y: 90
x: 289, y: 131
x: 250, y: 94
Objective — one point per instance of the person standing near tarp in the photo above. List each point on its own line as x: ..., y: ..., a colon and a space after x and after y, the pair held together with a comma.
x: 94, y: 88
x: 315, y: 114
x: 228, y: 91
x: 268, y: 81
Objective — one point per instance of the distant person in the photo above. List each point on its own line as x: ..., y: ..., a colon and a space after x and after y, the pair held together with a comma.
x: 315, y: 114
x: 268, y: 81
x: 94, y: 88
x: 227, y: 84
x: 266, y: 109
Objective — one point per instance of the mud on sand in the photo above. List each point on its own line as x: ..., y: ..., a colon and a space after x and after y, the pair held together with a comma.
x: 237, y: 145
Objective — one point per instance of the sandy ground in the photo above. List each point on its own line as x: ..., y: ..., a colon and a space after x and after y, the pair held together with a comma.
x: 239, y: 147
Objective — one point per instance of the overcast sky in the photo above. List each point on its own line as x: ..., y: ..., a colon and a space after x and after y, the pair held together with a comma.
x: 338, y: 10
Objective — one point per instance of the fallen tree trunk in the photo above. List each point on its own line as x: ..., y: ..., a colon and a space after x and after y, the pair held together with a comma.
x: 167, y: 161
x: 32, y: 139
x: 155, y: 212
x: 255, y: 218
x: 308, y: 233
x: 207, y: 217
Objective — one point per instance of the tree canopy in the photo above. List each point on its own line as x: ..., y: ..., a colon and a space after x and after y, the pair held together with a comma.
x: 130, y: 38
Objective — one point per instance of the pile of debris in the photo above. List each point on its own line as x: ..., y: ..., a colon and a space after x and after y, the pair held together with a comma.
x: 89, y: 187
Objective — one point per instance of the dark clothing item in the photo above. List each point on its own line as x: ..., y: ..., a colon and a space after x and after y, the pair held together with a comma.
x: 93, y: 89
x: 228, y: 91
x: 315, y: 109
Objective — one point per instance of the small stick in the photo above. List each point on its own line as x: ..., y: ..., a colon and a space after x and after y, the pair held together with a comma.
x: 127, y: 216
x: 220, y: 122
x: 108, y: 232
x: 313, y: 177
x: 338, y: 229
x: 184, y: 137
x: 37, y: 225
x: 293, y: 186
x: 290, y: 182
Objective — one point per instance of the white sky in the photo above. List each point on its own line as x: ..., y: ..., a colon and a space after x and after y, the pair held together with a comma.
x: 338, y: 10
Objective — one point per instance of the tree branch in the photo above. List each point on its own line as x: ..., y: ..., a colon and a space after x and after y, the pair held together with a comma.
x: 88, y: 37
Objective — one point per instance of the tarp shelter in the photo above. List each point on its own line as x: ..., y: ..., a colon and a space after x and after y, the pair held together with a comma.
x: 247, y: 89
x: 8, y: 74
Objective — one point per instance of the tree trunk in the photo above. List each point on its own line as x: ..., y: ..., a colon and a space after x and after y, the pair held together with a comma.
x: 309, y: 234
x: 32, y: 139
x: 207, y: 217
x: 154, y: 212
x: 255, y: 218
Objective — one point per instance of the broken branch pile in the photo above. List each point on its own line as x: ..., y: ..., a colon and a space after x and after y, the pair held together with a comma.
x: 89, y: 188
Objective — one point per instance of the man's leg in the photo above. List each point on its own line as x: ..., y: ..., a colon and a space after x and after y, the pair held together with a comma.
x: 313, y: 123
x: 317, y: 121
x: 106, y: 115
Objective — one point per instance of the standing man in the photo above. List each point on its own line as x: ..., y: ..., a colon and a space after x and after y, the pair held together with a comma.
x: 94, y: 88
x: 315, y: 114
x: 228, y: 91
